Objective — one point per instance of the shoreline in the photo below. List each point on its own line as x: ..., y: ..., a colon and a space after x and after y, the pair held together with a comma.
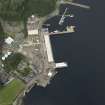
x: 54, y: 13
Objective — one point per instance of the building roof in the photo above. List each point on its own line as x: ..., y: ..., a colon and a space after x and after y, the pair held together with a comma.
x: 9, y: 40
x: 6, y: 55
x: 50, y: 74
x: 33, y: 32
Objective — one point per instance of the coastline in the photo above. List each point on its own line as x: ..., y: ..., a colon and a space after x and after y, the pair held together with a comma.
x: 28, y: 87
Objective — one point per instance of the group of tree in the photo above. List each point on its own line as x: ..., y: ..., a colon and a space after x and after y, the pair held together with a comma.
x: 11, y: 64
x: 11, y: 9
x: 2, y: 36
x: 20, y: 9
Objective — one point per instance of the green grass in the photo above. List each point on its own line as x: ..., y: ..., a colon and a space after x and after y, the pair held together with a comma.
x: 9, y: 92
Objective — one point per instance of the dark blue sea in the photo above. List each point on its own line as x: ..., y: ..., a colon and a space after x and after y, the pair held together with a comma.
x: 83, y: 82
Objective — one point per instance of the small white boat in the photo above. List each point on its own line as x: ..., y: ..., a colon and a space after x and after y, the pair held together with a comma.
x: 56, y: 31
x: 72, y: 15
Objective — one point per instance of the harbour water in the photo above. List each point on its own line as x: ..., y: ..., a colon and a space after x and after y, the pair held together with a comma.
x: 83, y: 83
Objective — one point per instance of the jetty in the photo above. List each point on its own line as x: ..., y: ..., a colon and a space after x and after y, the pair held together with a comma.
x: 63, y: 17
x: 49, y: 50
x: 75, y: 4
x: 70, y: 29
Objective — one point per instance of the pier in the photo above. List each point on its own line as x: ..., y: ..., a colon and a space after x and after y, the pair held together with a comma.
x: 49, y: 51
x: 63, y: 17
x: 76, y: 4
x: 61, y: 33
x: 70, y: 29
x: 48, y: 47
x: 55, y: 33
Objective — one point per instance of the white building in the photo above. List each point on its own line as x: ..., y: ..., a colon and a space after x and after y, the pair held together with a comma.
x: 33, y: 32
x: 9, y: 40
x: 50, y: 74
x: 6, y: 55
x: 3, y: 58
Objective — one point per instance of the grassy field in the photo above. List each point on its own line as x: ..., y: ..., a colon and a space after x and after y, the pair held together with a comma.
x: 9, y: 92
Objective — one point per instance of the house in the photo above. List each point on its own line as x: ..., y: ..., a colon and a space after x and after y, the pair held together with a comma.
x: 32, y: 25
x: 6, y: 55
x: 9, y: 40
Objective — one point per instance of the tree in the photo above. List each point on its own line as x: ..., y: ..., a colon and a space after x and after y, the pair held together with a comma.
x: 39, y: 7
x: 11, y: 9
x: 12, y: 61
x: 2, y: 36
x: 20, y: 9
